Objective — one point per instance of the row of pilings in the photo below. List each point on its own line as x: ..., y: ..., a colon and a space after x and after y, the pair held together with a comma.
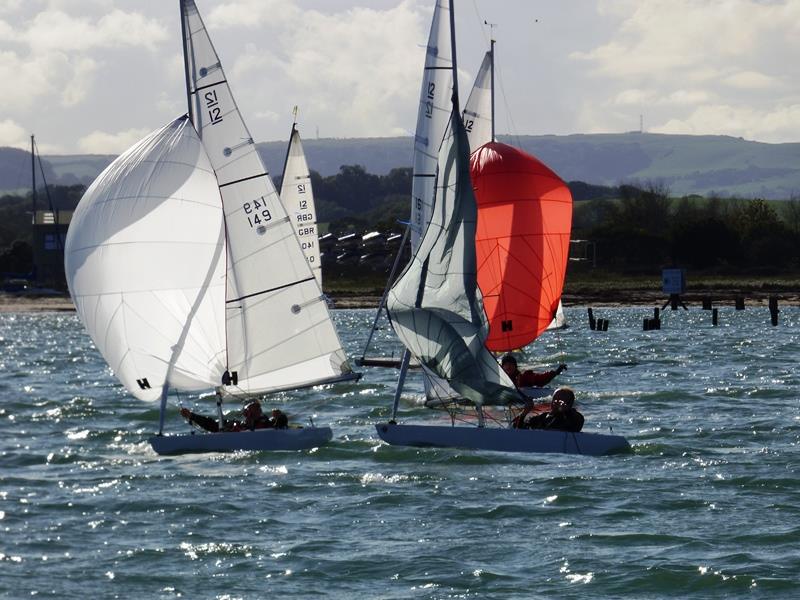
x: 654, y: 322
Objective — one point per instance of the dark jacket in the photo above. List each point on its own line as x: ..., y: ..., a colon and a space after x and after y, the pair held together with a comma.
x: 570, y: 420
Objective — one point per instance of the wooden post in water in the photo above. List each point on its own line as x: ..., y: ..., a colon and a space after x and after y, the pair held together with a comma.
x: 773, y: 310
x: 714, y: 317
x: 592, y: 321
x: 739, y: 303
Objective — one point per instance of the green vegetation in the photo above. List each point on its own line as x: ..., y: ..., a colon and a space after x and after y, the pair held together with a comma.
x: 631, y: 231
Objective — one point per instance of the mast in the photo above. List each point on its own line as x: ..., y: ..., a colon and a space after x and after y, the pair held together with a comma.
x: 185, y: 35
x: 453, y: 52
x: 33, y: 178
x: 491, y: 55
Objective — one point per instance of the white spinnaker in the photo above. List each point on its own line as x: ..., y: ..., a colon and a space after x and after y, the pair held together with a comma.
x: 279, y: 332
x: 297, y: 197
x: 435, y: 305
x: 432, y: 119
x: 477, y: 113
x: 145, y: 264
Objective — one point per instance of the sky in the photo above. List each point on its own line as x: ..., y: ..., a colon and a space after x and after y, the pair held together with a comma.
x: 94, y: 76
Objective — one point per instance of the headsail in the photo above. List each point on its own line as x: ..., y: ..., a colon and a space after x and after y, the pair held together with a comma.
x: 432, y: 119
x: 279, y: 331
x: 435, y: 305
x: 145, y: 264
x: 522, y: 242
x: 477, y: 113
x: 297, y: 197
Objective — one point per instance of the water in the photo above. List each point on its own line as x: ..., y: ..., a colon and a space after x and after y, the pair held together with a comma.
x: 707, y: 504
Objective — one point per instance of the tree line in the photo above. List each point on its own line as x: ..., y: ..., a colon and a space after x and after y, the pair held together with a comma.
x: 635, y: 227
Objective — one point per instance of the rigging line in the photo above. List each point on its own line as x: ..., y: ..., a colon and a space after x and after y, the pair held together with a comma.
x: 480, y: 20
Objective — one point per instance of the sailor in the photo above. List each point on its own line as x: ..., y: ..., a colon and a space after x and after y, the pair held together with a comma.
x: 279, y: 419
x: 562, y: 415
x: 253, y: 418
x: 528, y: 378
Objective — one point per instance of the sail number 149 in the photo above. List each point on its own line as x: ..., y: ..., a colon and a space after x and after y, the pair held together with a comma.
x: 257, y: 212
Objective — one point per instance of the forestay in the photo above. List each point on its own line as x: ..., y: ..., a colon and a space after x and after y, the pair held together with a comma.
x: 279, y: 331
x: 432, y: 118
x: 297, y: 197
x: 477, y: 113
x: 145, y: 264
x: 435, y: 305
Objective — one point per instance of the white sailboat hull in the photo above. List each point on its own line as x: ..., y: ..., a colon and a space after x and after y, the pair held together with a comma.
x: 503, y: 440
x: 261, y: 439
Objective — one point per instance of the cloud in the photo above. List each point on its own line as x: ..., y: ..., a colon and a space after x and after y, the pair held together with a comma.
x: 251, y: 13
x: 101, y: 142
x: 747, y: 122
x: 750, y: 80
x: 354, y: 73
x: 11, y: 134
x: 57, y: 30
x: 713, y: 63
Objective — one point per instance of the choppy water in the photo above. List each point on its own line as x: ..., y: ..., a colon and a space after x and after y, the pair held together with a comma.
x: 707, y: 504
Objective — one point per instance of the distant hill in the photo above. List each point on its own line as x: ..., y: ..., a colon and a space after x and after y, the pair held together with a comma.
x: 686, y: 164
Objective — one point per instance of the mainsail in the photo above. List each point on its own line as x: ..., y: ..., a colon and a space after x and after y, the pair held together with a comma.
x: 297, y: 197
x: 477, y: 113
x: 522, y: 242
x: 279, y: 331
x: 432, y: 119
x: 435, y: 305
x: 145, y: 264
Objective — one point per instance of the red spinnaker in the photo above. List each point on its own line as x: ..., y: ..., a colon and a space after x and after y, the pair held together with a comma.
x: 522, y: 242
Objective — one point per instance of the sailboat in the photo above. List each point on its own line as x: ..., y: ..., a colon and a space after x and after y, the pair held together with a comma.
x: 433, y: 116
x: 436, y: 309
x: 524, y: 223
x: 297, y: 197
x: 187, y: 272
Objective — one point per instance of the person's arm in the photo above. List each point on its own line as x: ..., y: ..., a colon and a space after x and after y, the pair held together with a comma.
x: 533, y: 379
x: 201, y: 421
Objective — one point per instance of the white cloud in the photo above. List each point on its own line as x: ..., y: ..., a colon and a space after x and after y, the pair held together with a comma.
x: 11, y: 134
x: 57, y: 30
x: 101, y: 142
x: 750, y: 80
x: 359, y: 67
x: 710, y: 62
x: 747, y: 122
x: 251, y: 13
x: 80, y: 83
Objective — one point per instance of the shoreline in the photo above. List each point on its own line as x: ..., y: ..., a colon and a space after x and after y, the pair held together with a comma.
x: 20, y: 303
